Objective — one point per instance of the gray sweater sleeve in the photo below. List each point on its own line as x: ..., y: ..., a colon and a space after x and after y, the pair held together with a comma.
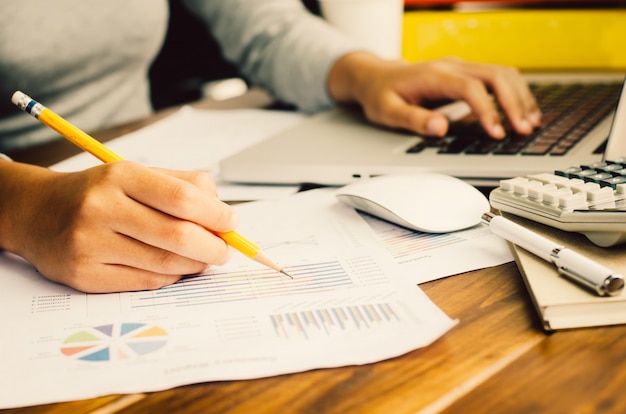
x: 278, y: 45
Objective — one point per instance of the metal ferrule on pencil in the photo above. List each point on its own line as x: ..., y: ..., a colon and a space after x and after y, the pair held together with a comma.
x: 27, y: 104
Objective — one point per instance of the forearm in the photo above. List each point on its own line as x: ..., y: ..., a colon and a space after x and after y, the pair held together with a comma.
x: 20, y: 184
x: 278, y: 45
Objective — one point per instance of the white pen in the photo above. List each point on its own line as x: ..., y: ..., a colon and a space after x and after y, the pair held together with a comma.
x: 569, y: 263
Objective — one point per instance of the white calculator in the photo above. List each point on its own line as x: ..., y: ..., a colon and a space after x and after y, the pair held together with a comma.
x: 589, y: 199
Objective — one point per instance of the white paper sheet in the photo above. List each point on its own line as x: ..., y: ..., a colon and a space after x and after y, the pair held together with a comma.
x: 427, y: 256
x: 193, y: 139
x: 349, y: 303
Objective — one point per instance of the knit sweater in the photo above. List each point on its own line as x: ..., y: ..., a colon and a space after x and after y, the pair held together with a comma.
x: 89, y: 60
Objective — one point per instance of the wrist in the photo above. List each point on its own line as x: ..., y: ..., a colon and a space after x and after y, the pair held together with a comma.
x: 20, y: 185
x: 351, y: 75
x: 346, y: 74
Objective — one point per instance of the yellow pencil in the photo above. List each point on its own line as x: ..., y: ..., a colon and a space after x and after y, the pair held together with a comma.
x: 99, y: 150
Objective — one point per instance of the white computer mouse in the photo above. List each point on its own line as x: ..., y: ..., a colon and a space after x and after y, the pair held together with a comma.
x: 427, y: 202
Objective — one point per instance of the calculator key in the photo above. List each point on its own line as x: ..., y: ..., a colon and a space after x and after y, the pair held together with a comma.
x: 602, y: 194
x: 552, y: 197
x: 571, y: 183
x: 611, y: 168
x: 572, y: 201
x: 539, y: 193
x: 536, y: 193
x: 508, y: 185
x: 596, y: 178
x: 585, y: 187
x: 613, y: 182
x: 620, y: 160
x: 568, y: 172
x: 584, y: 173
x: 594, y: 166
x: 521, y: 187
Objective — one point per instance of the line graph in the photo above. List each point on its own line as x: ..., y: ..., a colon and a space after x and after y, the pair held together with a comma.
x: 245, y: 284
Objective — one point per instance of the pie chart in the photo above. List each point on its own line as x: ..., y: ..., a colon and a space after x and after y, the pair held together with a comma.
x: 114, y: 342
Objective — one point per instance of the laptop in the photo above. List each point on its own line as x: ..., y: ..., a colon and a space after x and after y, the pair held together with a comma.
x: 340, y: 146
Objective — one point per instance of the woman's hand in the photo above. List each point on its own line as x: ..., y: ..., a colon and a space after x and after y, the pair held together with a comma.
x: 116, y: 227
x: 391, y: 92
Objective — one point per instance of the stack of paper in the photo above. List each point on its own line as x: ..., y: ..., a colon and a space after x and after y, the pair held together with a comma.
x: 560, y: 303
x: 354, y: 298
x: 349, y: 303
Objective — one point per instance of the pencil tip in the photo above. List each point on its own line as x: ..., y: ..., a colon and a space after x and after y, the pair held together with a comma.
x: 285, y: 273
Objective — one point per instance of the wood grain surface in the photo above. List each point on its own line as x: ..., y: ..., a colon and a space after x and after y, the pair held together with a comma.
x: 496, y: 360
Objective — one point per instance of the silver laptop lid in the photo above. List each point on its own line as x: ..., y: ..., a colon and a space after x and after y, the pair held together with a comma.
x: 616, y: 144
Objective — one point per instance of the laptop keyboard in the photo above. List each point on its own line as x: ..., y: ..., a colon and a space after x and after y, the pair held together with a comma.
x: 590, y: 199
x: 569, y: 112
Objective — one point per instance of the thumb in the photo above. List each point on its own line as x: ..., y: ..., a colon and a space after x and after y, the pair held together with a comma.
x: 435, y: 124
x: 417, y: 119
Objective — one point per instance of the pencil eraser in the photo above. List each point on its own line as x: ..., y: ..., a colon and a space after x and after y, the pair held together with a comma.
x: 20, y: 99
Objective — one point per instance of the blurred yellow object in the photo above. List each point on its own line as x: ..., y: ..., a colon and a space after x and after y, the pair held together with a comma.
x: 529, y: 39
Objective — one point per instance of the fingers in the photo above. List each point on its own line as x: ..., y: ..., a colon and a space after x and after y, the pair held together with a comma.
x: 396, y: 93
x: 511, y: 91
x: 134, y: 254
x: 200, y: 179
x: 185, y: 195
x: 176, y: 212
x: 119, y: 278
x: 171, y: 235
x: 413, y: 118
x: 440, y: 82
x: 96, y: 259
x: 474, y: 92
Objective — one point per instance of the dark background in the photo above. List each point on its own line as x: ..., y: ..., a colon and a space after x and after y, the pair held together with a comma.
x: 189, y: 58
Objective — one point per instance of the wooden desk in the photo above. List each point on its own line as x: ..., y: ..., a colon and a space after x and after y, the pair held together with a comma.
x: 496, y: 360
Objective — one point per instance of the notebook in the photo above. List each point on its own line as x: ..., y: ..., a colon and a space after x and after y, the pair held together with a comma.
x: 339, y: 146
x: 560, y: 304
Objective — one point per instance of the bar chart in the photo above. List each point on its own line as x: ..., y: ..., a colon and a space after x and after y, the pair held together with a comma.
x: 329, y: 321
